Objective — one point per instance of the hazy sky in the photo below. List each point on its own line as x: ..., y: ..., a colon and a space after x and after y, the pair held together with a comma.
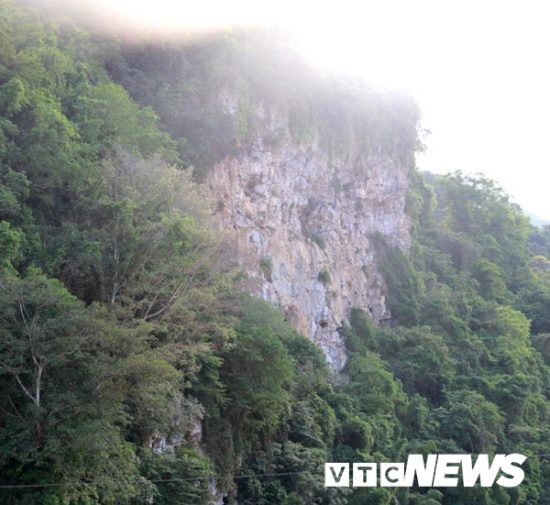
x: 480, y: 70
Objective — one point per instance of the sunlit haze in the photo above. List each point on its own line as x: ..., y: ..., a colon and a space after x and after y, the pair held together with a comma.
x: 478, y: 70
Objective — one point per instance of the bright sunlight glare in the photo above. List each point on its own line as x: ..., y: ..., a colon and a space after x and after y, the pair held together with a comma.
x: 478, y: 70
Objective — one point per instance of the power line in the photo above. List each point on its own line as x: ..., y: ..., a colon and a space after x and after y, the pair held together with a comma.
x: 183, y: 479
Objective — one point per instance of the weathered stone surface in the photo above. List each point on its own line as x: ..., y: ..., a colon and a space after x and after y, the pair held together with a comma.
x: 298, y: 211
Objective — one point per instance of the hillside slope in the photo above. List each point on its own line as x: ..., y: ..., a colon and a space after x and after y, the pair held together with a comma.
x: 147, y: 189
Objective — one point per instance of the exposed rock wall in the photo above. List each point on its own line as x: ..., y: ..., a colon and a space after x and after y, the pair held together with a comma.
x: 301, y: 219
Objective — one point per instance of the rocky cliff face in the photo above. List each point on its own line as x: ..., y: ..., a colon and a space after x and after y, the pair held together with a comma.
x: 301, y: 219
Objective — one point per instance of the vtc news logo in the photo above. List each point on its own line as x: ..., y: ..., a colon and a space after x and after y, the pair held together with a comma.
x: 438, y: 470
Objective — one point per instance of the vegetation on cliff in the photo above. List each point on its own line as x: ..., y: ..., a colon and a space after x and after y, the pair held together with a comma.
x: 123, y: 325
x: 213, y: 95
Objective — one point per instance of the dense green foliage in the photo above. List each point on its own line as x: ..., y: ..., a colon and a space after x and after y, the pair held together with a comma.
x: 112, y: 286
x: 469, y: 339
x: 123, y: 327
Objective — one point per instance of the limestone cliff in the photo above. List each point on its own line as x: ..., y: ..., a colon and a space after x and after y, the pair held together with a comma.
x: 301, y: 217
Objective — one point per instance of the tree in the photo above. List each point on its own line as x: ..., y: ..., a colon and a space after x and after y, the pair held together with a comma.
x: 474, y: 423
x: 53, y: 374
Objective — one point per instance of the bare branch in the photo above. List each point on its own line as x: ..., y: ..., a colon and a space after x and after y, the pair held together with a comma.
x: 25, y: 390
